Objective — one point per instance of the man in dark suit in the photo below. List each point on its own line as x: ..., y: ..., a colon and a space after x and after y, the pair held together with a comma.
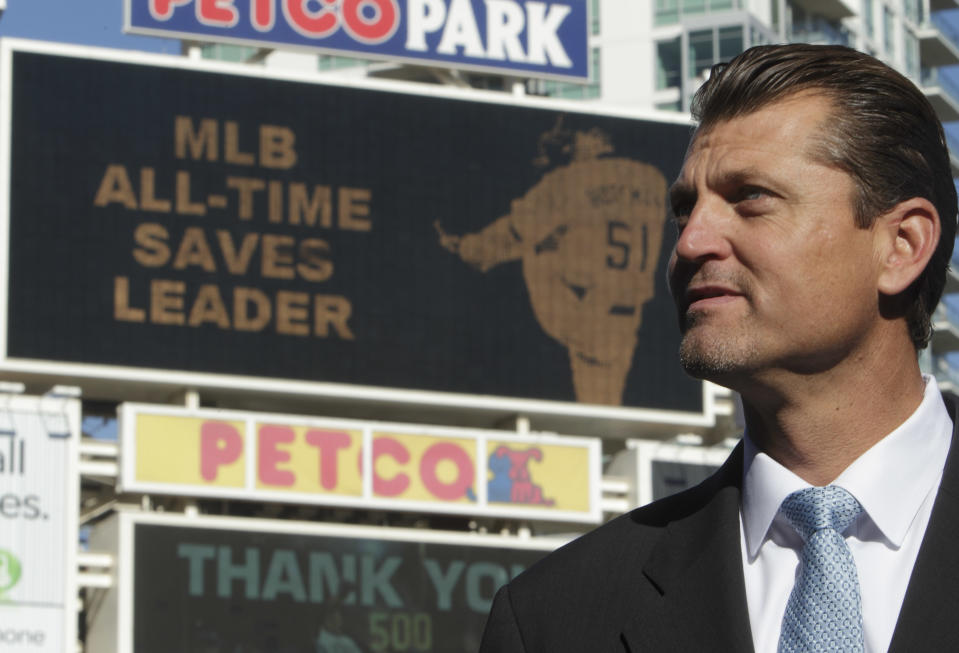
x: 816, y: 216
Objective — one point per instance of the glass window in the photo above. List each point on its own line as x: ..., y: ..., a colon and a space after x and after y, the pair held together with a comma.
x: 888, y: 24
x: 668, y: 64
x: 730, y: 42
x: 571, y: 91
x: 594, y: 16
x: 798, y: 14
x: 669, y: 106
x: 333, y: 62
x: 488, y: 82
x: 700, y: 55
x: 227, y: 52
x: 913, y: 11
x: 868, y: 18
x: 554, y: 89
x: 912, y: 54
x: 759, y: 37
x: 774, y: 14
x: 666, y: 12
x: 670, y: 11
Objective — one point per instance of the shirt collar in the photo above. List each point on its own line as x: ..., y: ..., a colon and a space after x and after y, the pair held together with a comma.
x: 890, y: 480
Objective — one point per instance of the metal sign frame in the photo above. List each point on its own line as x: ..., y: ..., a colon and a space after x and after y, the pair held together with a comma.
x: 481, y: 507
x: 119, y: 604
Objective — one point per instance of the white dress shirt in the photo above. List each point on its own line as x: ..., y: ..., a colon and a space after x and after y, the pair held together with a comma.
x: 895, y: 481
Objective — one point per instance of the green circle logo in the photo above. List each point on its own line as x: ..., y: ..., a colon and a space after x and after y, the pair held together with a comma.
x: 9, y: 570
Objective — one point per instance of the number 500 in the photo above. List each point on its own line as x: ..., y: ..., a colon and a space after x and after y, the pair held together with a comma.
x: 401, y: 631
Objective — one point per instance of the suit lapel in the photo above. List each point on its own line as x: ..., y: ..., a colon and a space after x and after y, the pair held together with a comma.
x: 927, y: 620
x: 696, y: 575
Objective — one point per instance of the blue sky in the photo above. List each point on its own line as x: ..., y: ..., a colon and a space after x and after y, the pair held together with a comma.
x: 83, y: 22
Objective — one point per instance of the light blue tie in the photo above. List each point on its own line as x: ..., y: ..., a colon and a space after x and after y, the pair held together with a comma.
x: 824, y: 612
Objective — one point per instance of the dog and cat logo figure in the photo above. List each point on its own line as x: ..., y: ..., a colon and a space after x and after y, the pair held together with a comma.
x: 510, y: 478
x: 549, y: 476
x: 512, y: 481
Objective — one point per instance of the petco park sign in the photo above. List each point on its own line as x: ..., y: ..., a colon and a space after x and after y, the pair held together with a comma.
x: 530, y: 37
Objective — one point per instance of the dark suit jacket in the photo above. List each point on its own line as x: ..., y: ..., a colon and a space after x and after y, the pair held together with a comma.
x: 669, y: 577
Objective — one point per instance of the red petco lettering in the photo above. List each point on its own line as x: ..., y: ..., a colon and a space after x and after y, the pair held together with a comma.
x: 366, y: 21
x: 218, y: 13
x: 523, y: 32
x: 221, y: 444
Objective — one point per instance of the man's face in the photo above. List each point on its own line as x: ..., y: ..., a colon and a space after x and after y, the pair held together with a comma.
x: 769, y: 272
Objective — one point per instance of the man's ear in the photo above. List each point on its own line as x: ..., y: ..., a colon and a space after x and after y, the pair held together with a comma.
x: 908, y: 235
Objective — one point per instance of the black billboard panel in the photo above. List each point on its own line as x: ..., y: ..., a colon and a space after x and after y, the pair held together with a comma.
x: 180, y: 219
x: 226, y: 590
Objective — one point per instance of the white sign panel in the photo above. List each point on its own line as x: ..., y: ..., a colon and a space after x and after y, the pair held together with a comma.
x: 38, y: 523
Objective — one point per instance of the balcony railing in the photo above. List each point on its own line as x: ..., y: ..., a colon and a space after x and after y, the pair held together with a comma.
x: 944, y: 371
x: 938, y: 42
x: 945, y: 312
x: 818, y: 31
x: 943, y: 92
x: 940, y: 23
x: 953, y: 144
x: 932, y: 77
x: 668, y: 12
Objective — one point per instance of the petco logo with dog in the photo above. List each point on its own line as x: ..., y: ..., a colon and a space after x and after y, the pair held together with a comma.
x: 543, y: 38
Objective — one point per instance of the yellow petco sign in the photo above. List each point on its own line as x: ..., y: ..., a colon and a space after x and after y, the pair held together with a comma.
x: 259, y: 456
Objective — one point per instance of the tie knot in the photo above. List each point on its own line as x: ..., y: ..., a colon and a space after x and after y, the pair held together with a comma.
x: 816, y: 508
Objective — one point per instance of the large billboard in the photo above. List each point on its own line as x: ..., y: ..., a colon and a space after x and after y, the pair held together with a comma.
x: 543, y: 38
x: 227, y: 584
x: 166, y: 221
x: 266, y: 457
x: 39, y: 487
